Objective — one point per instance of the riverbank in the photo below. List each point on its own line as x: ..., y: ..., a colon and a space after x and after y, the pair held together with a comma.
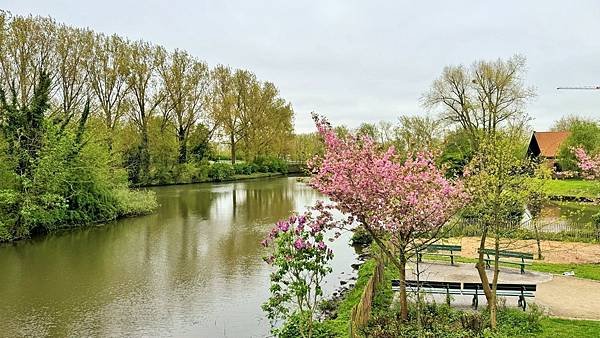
x: 237, y: 177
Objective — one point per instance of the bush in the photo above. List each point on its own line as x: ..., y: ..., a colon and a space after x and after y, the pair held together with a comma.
x: 135, y: 202
x: 293, y: 326
x: 271, y: 165
x: 361, y: 237
x: 220, y: 171
x: 446, y: 322
x: 243, y: 169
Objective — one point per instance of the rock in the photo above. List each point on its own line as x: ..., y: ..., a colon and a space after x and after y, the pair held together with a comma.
x: 343, y: 282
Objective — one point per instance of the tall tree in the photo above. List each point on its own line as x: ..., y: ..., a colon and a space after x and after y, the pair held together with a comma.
x: 482, y: 98
x: 73, y: 52
x: 108, y: 73
x: 224, y: 106
x: 267, y: 121
x: 186, y: 85
x: 27, y: 51
x: 146, y: 93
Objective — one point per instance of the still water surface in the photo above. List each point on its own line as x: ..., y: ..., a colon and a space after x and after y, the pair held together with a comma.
x: 193, y: 268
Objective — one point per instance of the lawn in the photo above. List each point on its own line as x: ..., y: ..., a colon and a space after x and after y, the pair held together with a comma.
x: 572, y: 188
x: 557, y: 328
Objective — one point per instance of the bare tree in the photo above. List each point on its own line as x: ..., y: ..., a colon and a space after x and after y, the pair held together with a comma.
x: 27, y: 51
x: 481, y: 98
x: 73, y: 50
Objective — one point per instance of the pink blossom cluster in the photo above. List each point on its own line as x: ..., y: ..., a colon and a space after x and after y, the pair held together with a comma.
x: 306, y: 231
x: 380, y: 189
x: 589, y: 165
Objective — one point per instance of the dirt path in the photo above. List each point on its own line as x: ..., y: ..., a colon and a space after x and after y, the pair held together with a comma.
x: 570, y: 297
x: 553, y: 251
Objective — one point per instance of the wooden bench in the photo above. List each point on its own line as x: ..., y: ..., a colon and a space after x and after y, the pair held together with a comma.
x: 440, y: 250
x: 509, y: 254
x: 517, y: 290
x: 446, y: 288
x: 467, y: 289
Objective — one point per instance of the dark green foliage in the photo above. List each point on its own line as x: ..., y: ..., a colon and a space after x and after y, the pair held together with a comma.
x: 435, y: 320
x: 200, y: 147
x: 271, y: 165
x: 361, y: 237
x: 55, y: 178
x: 220, y: 171
x: 243, y: 168
x: 456, y: 153
x: 584, y: 134
x: 292, y: 328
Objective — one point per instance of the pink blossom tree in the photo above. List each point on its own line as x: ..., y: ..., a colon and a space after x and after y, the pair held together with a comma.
x: 403, y: 202
x: 589, y: 165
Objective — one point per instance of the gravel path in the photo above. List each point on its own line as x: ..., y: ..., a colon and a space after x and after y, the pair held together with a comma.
x: 570, y: 297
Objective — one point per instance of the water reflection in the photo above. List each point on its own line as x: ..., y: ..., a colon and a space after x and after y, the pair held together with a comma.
x: 192, y: 268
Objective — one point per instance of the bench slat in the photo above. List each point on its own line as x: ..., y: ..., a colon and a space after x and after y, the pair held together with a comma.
x: 514, y: 254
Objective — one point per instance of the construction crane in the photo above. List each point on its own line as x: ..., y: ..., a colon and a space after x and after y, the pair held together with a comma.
x: 581, y: 88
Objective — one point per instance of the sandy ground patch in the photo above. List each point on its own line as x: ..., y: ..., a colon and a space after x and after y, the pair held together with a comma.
x: 553, y: 251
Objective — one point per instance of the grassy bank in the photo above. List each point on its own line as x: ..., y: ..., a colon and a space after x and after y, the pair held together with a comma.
x: 571, y: 189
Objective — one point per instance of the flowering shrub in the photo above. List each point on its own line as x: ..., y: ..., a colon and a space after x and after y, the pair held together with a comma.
x: 300, y: 257
x: 589, y: 165
x: 396, y: 200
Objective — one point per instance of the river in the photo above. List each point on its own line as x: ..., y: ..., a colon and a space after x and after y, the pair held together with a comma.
x: 193, y: 268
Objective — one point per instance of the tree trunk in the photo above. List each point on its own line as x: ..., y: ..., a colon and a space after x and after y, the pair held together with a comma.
x: 182, y: 140
x: 403, y: 298
x: 538, y: 241
x: 232, y: 140
x: 400, y: 263
x: 480, y: 266
x: 144, y: 156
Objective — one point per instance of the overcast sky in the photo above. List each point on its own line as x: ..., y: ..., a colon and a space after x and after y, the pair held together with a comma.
x: 357, y: 61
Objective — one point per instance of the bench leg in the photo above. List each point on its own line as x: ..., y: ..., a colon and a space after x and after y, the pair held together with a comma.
x: 475, y: 302
x: 451, y: 258
x: 522, y: 303
x: 522, y: 269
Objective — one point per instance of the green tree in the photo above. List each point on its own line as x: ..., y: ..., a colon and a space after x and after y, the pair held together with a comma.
x: 186, y: 85
x: 585, y: 134
x: 146, y: 94
x: 108, y: 73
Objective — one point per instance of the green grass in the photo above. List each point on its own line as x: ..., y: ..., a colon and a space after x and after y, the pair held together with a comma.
x: 340, y: 325
x: 588, y: 271
x: 557, y: 328
x: 571, y: 188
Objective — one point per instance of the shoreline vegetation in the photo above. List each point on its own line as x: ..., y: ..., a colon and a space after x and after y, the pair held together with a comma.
x: 138, y: 201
